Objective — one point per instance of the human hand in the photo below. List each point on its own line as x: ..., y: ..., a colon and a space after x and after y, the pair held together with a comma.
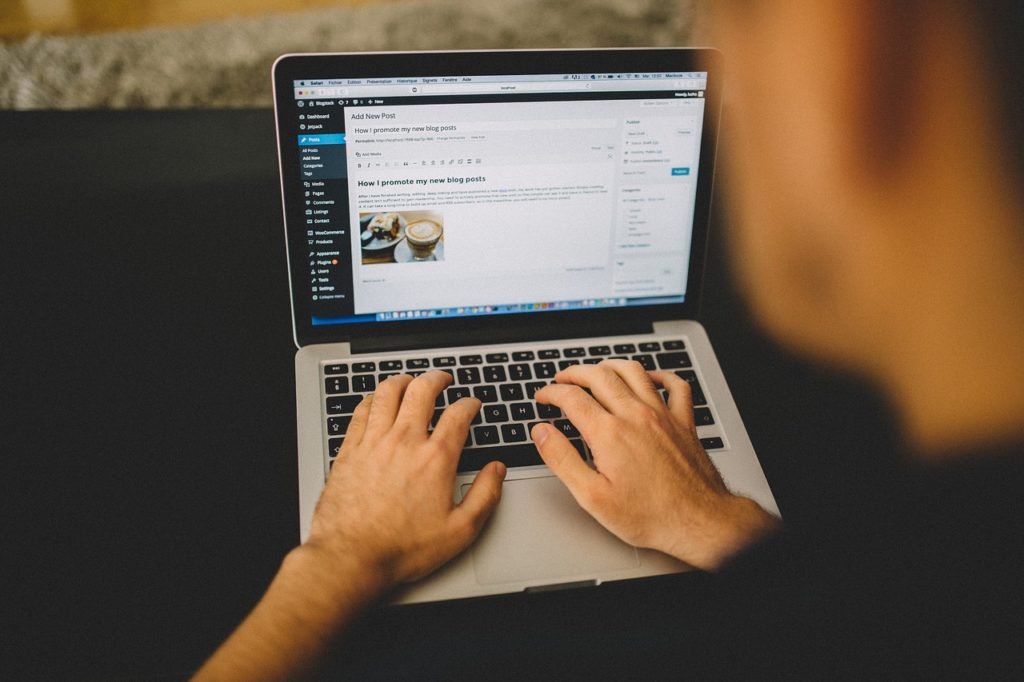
x: 654, y: 486
x: 388, y: 501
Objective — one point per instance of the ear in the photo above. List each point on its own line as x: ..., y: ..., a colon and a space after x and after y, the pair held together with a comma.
x: 880, y: 84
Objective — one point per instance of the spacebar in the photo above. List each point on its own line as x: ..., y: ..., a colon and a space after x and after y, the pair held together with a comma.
x: 520, y: 455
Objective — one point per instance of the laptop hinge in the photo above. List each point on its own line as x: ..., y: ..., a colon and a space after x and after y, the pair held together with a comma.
x: 480, y: 337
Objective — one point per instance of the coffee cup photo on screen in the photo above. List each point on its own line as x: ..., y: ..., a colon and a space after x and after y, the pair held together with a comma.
x: 401, y: 237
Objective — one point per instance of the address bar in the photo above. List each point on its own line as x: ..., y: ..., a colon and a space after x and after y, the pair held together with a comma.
x: 542, y: 86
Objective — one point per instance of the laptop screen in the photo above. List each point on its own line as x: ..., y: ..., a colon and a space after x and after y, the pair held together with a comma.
x: 467, y: 195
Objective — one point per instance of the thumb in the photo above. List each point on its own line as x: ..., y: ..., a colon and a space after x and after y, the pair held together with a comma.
x: 563, y: 459
x: 482, y: 497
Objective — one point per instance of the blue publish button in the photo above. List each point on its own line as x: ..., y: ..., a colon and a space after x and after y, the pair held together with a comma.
x: 681, y: 171
x: 306, y: 140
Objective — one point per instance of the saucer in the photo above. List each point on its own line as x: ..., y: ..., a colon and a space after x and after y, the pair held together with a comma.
x: 403, y: 254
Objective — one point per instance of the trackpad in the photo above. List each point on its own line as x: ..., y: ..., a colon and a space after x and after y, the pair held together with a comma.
x: 538, y: 531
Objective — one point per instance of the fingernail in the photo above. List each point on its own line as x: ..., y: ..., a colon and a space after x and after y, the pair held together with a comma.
x: 502, y: 469
x: 540, y: 433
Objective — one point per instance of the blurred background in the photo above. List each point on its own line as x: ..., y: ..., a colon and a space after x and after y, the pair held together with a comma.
x: 197, y: 53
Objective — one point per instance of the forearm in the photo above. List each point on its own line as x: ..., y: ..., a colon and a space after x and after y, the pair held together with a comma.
x: 308, y: 605
x: 740, y: 524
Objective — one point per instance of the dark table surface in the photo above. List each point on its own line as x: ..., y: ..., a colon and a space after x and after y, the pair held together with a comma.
x: 148, y: 438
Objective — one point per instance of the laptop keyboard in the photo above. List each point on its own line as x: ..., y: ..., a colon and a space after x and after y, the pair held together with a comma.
x: 505, y: 383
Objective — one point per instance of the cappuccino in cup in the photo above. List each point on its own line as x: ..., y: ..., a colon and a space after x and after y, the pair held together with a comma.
x: 423, y: 236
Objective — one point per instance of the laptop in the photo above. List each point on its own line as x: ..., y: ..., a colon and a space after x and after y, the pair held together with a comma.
x: 500, y: 216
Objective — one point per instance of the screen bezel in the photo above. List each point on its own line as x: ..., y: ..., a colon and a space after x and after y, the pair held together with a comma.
x: 289, y: 68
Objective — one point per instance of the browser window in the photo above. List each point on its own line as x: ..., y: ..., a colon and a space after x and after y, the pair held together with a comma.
x: 495, y: 194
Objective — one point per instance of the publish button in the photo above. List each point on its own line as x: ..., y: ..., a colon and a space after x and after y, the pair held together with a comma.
x: 681, y: 171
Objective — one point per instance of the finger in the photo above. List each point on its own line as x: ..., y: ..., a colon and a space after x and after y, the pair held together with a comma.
x: 680, y: 398
x: 453, y: 426
x: 386, y: 400
x: 579, y: 406
x: 608, y: 388
x: 418, y: 403
x: 565, y: 461
x: 357, y: 426
x: 637, y: 379
x: 478, y: 504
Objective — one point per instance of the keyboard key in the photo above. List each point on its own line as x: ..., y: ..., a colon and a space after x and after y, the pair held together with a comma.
x: 674, y: 345
x: 591, y: 361
x: 563, y: 364
x: 650, y: 347
x: 494, y: 374
x: 567, y: 428
x: 486, y: 394
x: 702, y: 416
x: 364, y: 367
x: 444, y: 361
x: 485, y: 435
x: 495, y: 413
x: 548, y: 411
x: 390, y: 365
x: 575, y: 352
x: 471, y: 360
x: 417, y: 363
x: 497, y: 357
x: 334, y: 446
x: 334, y: 385
x: 468, y: 375
x: 544, y: 370
x: 338, y: 426
x: 533, y: 387
x: 457, y: 392
x: 522, y: 355
x: 578, y: 444
x: 510, y: 392
x: 364, y: 383
x: 549, y: 354
x: 386, y: 375
x: 625, y: 348
x: 690, y: 377
x: 647, y: 361
x: 344, y: 404
x: 517, y: 455
x: 436, y: 417
x: 673, y: 360
x: 340, y: 368
x: 520, y: 372
x: 522, y: 412
x: 439, y: 401
x: 477, y: 419
x: 713, y: 443
x: 513, y: 433
x: 600, y: 350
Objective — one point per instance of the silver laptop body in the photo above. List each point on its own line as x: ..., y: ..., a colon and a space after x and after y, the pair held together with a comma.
x: 500, y: 215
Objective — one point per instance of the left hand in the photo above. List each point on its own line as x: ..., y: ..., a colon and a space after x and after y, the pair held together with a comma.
x: 388, y: 501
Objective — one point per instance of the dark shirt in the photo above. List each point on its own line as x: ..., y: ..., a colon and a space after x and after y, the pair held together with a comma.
x: 922, y: 581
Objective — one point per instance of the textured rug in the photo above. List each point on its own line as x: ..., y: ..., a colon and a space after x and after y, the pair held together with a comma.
x: 227, y: 64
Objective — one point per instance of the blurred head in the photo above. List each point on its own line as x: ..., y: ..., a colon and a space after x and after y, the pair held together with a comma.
x: 872, y: 151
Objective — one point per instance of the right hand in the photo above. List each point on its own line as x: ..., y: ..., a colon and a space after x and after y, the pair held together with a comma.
x: 653, y: 485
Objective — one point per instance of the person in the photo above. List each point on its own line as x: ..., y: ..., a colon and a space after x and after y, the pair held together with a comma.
x: 875, y: 153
